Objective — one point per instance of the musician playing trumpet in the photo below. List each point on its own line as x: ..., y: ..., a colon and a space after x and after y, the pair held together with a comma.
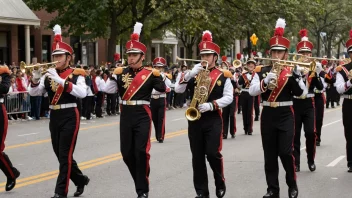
x: 277, y: 119
x: 205, y: 130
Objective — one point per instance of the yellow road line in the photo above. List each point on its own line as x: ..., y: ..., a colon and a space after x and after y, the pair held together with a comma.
x: 49, y: 140
x: 84, y: 165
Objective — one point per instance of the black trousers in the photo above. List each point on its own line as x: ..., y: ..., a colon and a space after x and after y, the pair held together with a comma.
x: 247, y: 111
x: 111, y: 103
x: 5, y: 163
x: 205, y: 137
x: 256, y: 106
x: 239, y: 108
x: 305, y: 114
x: 117, y: 103
x: 87, y: 106
x: 229, y: 117
x: 158, y: 108
x: 135, y: 129
x: 99, y: 103
x: 64, y: 127
x: 331, y: 94
x: 319, y: 113
x: 277, y: 128
x: 347, y: 123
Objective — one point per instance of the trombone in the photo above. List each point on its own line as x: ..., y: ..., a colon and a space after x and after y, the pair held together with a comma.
x: 193, y: 60
x: 286, y: 63
x: 310, y: 57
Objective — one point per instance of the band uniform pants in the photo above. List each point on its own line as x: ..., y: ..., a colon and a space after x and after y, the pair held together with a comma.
x: 319, y: 113
x: 64, y: 127
x: 304, y: 114
x: 347, y: 123
x: 98, y: 104
x: 158, y: 108
x: 111, y: 103
x: 87, y: 107
x: 277, y: 129
x: 256, y: 106
x: 229, y: 117
x: 5, y: 163
x: 135, y: 131
x: 247, y: 111
x: 205, y: 137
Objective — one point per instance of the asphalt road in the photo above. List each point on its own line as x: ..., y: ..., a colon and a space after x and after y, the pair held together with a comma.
x: 98, y: 154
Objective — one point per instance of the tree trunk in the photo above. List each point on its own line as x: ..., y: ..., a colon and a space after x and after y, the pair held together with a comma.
x: 329, y: 48
x: 112, y: 38
x: 189, y: 49
x: 318, y: 44
x: 249, y: 44
x: 338, y: 49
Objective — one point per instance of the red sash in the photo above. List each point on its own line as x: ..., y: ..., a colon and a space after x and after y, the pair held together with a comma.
x: 60, y: 89
x: 137, y: 82
x: 214, y: 75
x: 282, y: 80
x: 246, y: 81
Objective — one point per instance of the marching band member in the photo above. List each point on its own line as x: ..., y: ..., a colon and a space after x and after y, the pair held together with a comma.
x: 277, y: 119
x: 158, y: 101
x: 343, y: 86
x: 229, y: 112
x: 135, y: 85
x: 205, y: 134
x: 64, y: 86
x: 5, y: 164
x: 110, y: 89
x: 247, y: 100
x: 304, y: 107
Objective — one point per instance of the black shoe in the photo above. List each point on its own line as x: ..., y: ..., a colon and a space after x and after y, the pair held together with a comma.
x: 11, y: 183
x: 338, y: 104
x: 349, y: 169
x: 292, y: 192
x: 312, y: 167
x: 332, y: 106
x: 298, y: 169
x: 256, y: 119
x: 161, y: 141
x: 80, y: 189
x: 221, y: 192
x: 58, y: 196
x: 271, y: 194
x: 250, y: 133
x: 224, y: 137
x: 318, y: 143
x: 327, y: 107
x: 232, y: 136
x: 202, y: 196
x: 144, y: 195
x: 246, y: 132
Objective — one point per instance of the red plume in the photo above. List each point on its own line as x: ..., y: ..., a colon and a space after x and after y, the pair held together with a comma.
x: 279, y: 31
x: 58, y: 38
x: 207, y: 37
x: 303, y: 33
x: 135, y: 37
x: 116, y: 56
x: 238, y: 55
x: 224, y: 58
x: 324, y: 62
x: 350, y: 34
x: 254, y: 53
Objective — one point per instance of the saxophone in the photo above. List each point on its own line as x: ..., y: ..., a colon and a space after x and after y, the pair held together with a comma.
x: 201, y: 94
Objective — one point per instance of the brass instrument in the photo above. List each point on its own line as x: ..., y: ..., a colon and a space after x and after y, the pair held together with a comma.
x: 277, y: 67
x: 44, y: 66
x: 349, y: 75
x: 201, y: 91
x: 237, y: 64
x: 310, y: 57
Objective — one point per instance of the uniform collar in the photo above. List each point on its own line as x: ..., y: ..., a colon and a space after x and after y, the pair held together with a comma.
x: 61, y: 71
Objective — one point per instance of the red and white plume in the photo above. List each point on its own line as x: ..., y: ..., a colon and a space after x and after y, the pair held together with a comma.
x: 304, y: 35
x: 280, y: 27
x: 224, y: 58
x: 238, y: 56
x: 207, y: 36
x: 137, y: 31
x: 57, y: 31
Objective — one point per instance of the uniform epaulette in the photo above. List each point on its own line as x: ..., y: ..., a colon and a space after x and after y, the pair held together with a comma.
x: 79, y: 71
x: 4, y: 70
x: 169, y: 76
x: 258, y: 69
x: 118, y: 70
x: 338, y: 68
x: 227, y: 73
x: 156, y: 72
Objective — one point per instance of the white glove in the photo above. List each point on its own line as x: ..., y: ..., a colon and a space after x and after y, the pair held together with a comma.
x: 196, y: 69
x: 318, y: 68
x: 37, y: 74
x: 269, y: 76
x: 298, y: 70
x: 301, y: 84
x: 51, y: 73
x: 205, y: 107
x: 249, y: 77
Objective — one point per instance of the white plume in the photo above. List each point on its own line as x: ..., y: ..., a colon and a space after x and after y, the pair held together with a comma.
x: 280, y: 23
x: 304, y: 38
x: 57, y: 29
x: 138, y: 28
x: 207, y: 31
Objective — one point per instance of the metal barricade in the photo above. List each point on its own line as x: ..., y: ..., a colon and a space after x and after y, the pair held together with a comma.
x: 17, y: 102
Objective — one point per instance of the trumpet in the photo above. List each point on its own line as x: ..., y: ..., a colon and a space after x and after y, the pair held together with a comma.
x: 201, y: 91
x: 45, y: 66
